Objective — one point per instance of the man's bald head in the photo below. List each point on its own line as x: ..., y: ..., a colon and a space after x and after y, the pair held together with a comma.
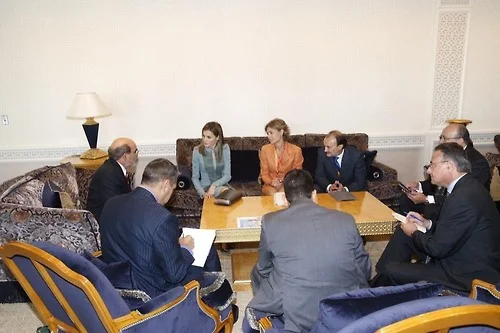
x: 124, y: 151
x: 121, y: 146
x: 455, y: 133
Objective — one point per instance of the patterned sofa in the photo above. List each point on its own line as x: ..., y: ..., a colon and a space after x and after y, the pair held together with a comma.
x: 23, y: 217
x: 494, y: 162
x: 245, y: 168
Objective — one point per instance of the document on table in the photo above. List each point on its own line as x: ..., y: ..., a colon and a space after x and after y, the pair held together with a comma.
x: 203, y: 240
x: 402, y: 219
x: 248, y: 222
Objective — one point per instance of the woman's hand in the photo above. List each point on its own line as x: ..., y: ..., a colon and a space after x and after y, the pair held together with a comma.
x: 211, y: 191
x: 276, y: 183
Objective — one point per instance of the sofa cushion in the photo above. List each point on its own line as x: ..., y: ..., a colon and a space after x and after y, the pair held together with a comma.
x: 245, y: 165
x: 369, y: 156
x: 495, y: 184
x: 25, y: 192
x: 64, y: 176
x: 310, y: 155
x: 118, y: 273
x: 339, y: 310
x: 50, y: 195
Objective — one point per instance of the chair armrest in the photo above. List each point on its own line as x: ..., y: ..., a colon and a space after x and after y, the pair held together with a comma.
x: 75, y: 229
x: 179, y: 309
x: 486, y: 292
x: 184, y: 179
x: 387, y: 173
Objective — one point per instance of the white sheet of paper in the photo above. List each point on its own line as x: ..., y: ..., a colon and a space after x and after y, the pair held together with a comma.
x: 402, y: 219
x: 280, y: 199
x: 203, y: 240
x: 248, y: 222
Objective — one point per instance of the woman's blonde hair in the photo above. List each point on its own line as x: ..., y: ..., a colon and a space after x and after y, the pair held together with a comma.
x: 279, y: 124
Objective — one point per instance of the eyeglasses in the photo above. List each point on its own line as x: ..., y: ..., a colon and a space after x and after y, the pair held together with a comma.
x: 433, y: 164
x: 136, y: 151
x: 442, y: 137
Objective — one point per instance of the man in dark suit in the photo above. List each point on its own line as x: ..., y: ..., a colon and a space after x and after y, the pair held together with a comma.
x: 110, y: 179
x: 460, y: 245
x: 340, y: 167
x: 137, y: 228
x: 306, y: 253
x: 425, y: 197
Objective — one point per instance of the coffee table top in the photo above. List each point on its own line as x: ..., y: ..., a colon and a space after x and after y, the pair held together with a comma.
x: 372, y: 216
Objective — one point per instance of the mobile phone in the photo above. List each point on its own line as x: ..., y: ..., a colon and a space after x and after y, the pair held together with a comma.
x: 404, y: 188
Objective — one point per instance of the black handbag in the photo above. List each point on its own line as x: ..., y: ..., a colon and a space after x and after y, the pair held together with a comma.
x: 228, y: 197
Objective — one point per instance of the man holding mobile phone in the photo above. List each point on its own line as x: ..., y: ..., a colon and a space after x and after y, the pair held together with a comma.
x: 426, y: 198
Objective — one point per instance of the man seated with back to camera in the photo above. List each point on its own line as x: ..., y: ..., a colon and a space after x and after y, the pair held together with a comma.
x: 306, y: 253
x: 425, y: 197
x: 460, y: 245
x: 340, y: 167
x: 136, y: 227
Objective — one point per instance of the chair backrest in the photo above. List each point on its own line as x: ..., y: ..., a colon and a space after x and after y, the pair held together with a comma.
x: 66, y: 289
x: 467, y: 317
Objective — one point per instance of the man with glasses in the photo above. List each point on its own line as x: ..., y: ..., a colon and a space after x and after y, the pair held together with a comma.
x: 111, y: 178
x: 460, y: 245
x: 425, y: 197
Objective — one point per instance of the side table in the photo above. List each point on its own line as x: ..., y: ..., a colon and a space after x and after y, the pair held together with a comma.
x: 79, y: 163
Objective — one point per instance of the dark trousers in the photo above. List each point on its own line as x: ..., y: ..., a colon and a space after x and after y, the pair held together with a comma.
x: 395, y: 267
x: 211, y: 265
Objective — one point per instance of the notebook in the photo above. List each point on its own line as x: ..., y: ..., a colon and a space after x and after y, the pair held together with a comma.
x: 342, y: 196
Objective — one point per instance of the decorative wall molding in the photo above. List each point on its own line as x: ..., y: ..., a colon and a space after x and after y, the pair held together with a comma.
x: 455, y: 3
x: 59, y: 153
x: 384, y: 142
x: 396, y: 141
x: 452, y: 33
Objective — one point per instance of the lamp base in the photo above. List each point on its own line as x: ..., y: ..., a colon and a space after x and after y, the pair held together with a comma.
x: 93, y: 154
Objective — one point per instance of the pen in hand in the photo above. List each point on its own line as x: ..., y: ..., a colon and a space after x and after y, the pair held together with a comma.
x: 418, y: 218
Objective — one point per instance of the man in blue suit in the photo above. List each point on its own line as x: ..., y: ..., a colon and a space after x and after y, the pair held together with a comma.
x: 137, y: 228
x: 340, y: 167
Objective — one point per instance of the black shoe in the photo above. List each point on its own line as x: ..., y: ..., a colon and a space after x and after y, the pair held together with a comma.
x: 236, y: 312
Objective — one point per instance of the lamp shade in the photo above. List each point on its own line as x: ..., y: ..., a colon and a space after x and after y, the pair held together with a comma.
x: 87, y: 105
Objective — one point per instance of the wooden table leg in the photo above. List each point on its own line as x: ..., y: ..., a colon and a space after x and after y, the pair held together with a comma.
x: 242, y: 264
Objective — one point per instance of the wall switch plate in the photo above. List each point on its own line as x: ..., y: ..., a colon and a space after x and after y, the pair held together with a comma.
x: 5, y: 119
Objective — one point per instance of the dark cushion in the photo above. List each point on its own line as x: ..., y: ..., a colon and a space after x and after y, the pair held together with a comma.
x: 50, y: 195
x: 245, y: 165
x: 310, y: 155
x: 369, y: 156
x: 339, y: 310
x: 118, y: 273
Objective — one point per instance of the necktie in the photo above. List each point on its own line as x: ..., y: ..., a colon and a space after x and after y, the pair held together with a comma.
x: 337, y: 164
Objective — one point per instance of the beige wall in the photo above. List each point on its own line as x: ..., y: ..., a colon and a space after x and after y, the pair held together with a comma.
x: 393, y: 69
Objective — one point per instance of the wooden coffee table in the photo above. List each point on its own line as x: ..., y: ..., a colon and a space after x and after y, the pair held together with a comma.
x: 372, y: 218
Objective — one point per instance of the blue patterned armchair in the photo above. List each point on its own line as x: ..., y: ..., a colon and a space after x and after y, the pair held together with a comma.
x: 70, y: 294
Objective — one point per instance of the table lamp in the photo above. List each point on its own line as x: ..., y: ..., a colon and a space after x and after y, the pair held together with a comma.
x: 464, y: 122
x: 89, y: 106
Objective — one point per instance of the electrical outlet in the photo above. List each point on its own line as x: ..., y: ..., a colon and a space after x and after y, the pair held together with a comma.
x: 5, y: 119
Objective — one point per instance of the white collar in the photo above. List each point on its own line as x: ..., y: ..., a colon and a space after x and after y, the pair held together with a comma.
x: 123, y: 169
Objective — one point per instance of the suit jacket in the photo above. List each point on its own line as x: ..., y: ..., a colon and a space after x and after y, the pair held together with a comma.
x: 352, y: 170
x: 269, y: 169
x: 464, y: 240
x: 306, y: 253
x: 136, y: 228
x: 108, y: 181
